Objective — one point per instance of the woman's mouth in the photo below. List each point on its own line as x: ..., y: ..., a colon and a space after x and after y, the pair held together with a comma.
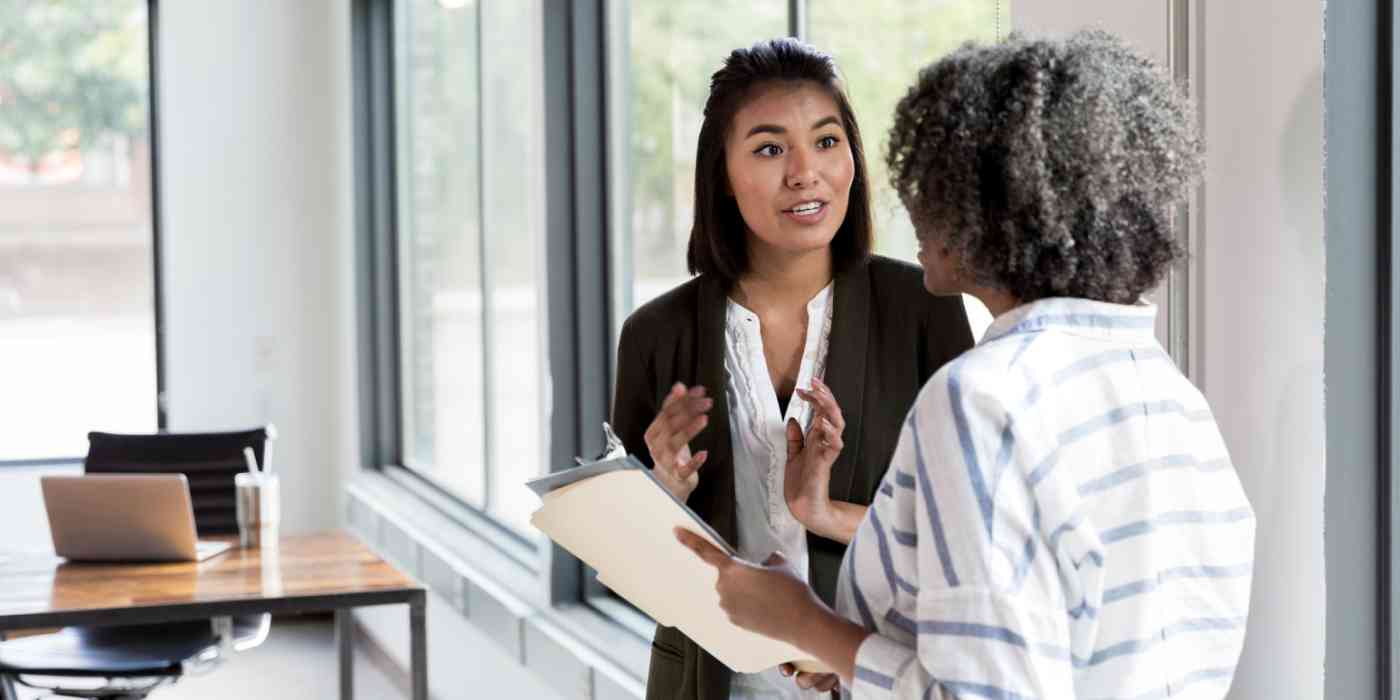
x: 807, y: 212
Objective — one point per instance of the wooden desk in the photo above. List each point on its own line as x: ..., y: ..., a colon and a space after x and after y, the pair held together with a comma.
x: 309, y: 573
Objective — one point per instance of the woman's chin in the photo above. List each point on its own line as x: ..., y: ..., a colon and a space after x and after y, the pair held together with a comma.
x: 803, y: 242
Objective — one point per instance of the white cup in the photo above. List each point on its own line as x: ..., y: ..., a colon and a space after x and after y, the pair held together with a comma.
x: 259, y: 503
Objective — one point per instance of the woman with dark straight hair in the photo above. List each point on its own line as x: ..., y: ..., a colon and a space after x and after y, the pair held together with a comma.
x: 717, y: 376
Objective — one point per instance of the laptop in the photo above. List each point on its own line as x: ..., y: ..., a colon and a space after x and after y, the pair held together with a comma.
x: 124, y: 517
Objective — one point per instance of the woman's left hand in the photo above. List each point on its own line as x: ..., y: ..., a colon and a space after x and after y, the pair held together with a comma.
x: 766, y: 599
x: 807, y: 481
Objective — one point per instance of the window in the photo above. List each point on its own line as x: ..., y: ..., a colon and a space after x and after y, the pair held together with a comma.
x: 471, y: 193
x: 77, y: 281
x: 469, y: 172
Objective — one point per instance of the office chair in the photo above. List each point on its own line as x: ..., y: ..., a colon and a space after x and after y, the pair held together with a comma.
x: 136, y: 659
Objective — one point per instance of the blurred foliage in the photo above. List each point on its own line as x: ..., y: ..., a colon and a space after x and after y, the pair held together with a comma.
x: 880, y: 46
x: 72, y: 72
x: 674, y: 47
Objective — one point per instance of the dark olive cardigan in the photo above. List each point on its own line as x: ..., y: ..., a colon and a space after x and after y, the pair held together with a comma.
x: 888, y: 336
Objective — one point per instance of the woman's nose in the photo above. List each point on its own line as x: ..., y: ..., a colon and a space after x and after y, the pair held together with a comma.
x: 800, y: 173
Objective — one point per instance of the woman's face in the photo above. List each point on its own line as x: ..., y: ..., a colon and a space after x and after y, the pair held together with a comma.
x: 790, y: 168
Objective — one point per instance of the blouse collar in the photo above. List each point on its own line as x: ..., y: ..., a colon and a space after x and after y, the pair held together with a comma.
x: 1079, y: 316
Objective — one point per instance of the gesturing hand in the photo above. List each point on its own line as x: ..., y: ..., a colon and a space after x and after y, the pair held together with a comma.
x: 807, y: 481
x: 682, y: 417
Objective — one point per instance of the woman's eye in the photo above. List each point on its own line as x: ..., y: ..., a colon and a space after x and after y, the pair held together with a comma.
x: 828, y: 142
x: 768, y: 150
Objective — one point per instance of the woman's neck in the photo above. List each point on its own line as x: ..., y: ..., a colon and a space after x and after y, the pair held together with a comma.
x: 997, y: 301
x: 776, y: 279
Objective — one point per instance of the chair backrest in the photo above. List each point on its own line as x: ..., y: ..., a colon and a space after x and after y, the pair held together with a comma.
x: 208, y: 461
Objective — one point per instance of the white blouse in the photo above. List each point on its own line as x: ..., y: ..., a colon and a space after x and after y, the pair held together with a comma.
x: 760, y: 454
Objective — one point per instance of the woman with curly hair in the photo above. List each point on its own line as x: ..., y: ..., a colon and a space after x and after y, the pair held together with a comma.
x: 1060, y: 518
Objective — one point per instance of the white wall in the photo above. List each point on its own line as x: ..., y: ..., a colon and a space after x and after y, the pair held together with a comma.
x: 1262, y: 287
x: 1260, y: 296
x: 255, y: 229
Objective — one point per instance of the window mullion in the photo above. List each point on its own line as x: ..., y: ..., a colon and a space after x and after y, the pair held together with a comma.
x: 797, y: 19
x: 483, y: 260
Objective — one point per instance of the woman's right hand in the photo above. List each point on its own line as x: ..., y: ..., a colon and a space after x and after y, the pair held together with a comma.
x: 682, y: 417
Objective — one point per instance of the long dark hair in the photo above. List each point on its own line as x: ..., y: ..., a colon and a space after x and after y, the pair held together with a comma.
x: 717, y: 242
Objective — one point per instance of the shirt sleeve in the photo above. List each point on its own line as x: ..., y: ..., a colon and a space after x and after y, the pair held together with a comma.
x: 988, y: 615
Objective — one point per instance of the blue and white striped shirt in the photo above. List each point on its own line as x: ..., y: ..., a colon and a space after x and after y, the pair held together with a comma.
x: 1060, y: 520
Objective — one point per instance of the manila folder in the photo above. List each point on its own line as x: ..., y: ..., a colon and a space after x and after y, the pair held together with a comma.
x: 620, y: 523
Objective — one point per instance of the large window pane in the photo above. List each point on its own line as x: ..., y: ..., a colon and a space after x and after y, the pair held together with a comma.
x: 880, y: 46
x: 470, y: 165
x: 513, y: 160
x: 672, y: 48
x: 77, y: 321
x: 439, y: 245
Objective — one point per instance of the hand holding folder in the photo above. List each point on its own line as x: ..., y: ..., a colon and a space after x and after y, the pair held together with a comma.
x: 618, y: 519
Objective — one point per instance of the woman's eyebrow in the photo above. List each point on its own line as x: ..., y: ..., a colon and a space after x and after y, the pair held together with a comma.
x: 766, y: 129
x: 775, y: 129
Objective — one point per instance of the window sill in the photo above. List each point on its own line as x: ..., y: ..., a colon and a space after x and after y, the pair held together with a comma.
x: 572, y: 647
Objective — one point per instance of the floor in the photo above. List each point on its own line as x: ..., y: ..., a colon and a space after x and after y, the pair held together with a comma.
x: 297, y: 662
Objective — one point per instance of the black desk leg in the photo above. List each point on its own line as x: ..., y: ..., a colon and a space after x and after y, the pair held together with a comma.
x: 345, y: 650
x: 418, y: 645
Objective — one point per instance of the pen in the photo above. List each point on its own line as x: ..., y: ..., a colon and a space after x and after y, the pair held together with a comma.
x: 251, y: 460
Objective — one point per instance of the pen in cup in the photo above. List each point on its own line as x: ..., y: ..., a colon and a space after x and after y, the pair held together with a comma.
x: 252, y: 461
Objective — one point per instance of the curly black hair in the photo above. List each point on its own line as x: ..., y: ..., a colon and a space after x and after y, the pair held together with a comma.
x: 1050, y: 168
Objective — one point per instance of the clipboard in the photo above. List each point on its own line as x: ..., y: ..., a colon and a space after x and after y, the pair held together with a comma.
x: 617, y: 518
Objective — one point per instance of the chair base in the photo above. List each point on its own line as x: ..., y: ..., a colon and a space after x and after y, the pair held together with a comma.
x: 129, y: 689
x: 123, y: 662
x: 135, y: 651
